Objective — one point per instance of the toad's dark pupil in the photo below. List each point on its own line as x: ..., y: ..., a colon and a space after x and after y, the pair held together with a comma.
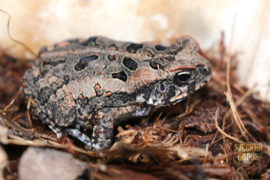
x: 183, y: 77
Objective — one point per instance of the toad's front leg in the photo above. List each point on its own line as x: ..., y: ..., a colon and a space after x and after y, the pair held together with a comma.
x: 106, y: 118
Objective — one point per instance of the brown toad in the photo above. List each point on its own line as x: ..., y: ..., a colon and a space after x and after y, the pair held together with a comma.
x: 99, y: 82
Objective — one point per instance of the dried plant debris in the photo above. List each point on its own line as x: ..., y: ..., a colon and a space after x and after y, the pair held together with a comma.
x: 203, y: 120
x: 15, y: 128
x: 108, y: 172
x: 209, y: 135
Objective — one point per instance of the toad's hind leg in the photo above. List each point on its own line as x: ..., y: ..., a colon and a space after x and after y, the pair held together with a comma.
x: 102, y: 131
x: 37, y: 113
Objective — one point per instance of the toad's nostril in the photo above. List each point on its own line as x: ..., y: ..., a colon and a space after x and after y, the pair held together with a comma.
x: 203, y: 69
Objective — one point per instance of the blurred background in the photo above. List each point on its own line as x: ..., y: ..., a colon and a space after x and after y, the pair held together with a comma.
x: 244, y: 23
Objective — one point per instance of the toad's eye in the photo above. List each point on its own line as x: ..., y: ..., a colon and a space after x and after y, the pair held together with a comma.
x: 182, y: 77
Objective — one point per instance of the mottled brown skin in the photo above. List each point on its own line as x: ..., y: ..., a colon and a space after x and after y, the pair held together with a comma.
x: 98, y: 82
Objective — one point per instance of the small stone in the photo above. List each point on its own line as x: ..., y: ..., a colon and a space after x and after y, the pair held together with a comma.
x: 44, y: 164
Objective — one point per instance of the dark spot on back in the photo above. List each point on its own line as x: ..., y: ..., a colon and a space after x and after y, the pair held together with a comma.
x: 88, y: 58
x: 170, y: 58
x: 79, y: 67
x: 113, y: 47
x: 148, y: 53
x: 133, y: 47
x: 90, y: 41
x: 111, y: 57
x: 160, y: 47
x: 176, y: 51
x: 66, y: 79
x: 84, y: 61
x: 83, y: 101
x: 53, y: 63
x: 155, y: 65
x: 130, y: 63
x: 120, y: 75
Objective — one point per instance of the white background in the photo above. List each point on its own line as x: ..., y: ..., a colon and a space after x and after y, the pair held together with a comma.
x: 44, y: 22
